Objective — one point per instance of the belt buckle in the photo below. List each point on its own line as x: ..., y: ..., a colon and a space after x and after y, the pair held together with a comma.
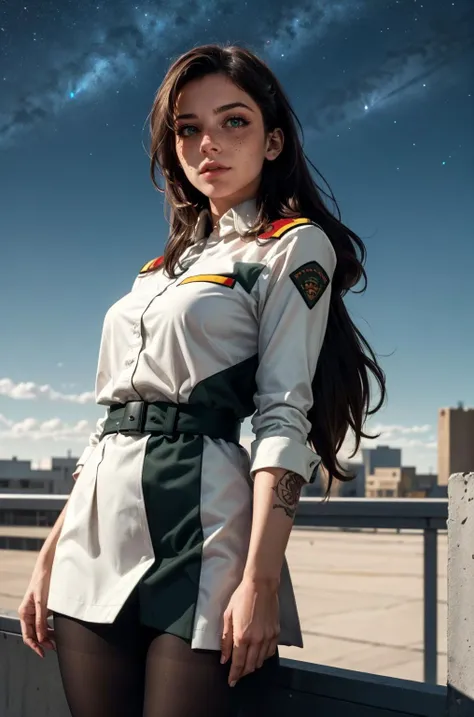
x: 133, y: 419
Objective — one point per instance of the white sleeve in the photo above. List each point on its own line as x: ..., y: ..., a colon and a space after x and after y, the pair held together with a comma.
x: 295, y: 294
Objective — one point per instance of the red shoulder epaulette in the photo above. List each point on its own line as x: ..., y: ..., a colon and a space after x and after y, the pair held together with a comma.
x: 152, y: 265
x: 277, y: 229
x: 281, y: 226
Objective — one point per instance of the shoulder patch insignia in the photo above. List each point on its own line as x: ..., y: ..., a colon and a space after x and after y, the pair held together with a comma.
x: 152, y: 265
x: 311, y: 281
x: 281, y: 226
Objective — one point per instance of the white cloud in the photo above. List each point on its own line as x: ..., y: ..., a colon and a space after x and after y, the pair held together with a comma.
x: 4, y: 421
x: 53, y: 429
x: 28, y: 390
x: 410, y: 438
x: 389, y: 430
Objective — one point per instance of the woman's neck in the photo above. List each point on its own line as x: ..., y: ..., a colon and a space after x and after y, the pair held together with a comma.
x: 220, y: 207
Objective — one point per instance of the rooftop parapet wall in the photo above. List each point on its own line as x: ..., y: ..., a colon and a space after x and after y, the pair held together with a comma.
x: 461, y: 595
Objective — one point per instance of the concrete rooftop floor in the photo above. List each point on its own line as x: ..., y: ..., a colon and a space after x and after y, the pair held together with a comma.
x: 360, y: 597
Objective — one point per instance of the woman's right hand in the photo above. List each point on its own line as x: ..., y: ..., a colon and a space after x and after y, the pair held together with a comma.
x: 33, y: 611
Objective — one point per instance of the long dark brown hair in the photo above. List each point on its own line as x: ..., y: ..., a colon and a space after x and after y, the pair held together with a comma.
x: 341, y: 385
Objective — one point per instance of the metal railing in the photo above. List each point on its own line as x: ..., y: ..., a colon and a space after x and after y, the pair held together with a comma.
x: 427, y: 515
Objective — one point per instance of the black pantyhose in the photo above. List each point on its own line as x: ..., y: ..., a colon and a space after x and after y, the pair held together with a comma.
x: 125, y: 669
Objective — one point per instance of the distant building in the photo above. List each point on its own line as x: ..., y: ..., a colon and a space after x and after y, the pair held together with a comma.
x: 19, y: 477
x: 381, y: 457
x: 439, y: 491
x: 403, y: 482
x: 345, y: 489
x: 455, y: 442
x: 354, y: 488
x: 384, y: 483
x: 419, y: 485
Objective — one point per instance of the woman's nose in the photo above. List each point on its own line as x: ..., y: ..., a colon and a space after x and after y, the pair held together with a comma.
x: 208, y: 143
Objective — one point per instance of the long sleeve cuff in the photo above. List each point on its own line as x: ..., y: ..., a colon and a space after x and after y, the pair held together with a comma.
x: 286, y: 453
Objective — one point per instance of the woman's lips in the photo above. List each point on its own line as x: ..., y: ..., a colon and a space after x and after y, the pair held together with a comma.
x: 210, y: 173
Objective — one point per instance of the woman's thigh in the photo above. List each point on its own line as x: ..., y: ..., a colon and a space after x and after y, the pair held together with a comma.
x: 181, y: 682
x: 102, y: 666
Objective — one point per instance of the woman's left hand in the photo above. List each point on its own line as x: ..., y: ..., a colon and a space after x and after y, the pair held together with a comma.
x: 251, y: 627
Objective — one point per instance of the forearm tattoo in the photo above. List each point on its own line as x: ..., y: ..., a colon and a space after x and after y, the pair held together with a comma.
x: 287, y: 491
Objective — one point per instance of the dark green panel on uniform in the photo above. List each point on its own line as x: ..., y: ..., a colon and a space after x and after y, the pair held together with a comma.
x: 232, y: 389
x: 171, y: 480
x: 247, y: 274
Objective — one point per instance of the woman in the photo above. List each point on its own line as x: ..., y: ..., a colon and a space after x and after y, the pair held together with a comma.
x: 166, y: 574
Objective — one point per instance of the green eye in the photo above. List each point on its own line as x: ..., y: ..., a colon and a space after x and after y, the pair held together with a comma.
x: 237, y: 122
x: 189, y: 130
x: 184, y: 130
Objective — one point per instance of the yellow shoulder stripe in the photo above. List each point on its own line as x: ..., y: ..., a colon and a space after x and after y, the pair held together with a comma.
x: 211, y: 279
x: 281, y: 226
x: 151, y: 265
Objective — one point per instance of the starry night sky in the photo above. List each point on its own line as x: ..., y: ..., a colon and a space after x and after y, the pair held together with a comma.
x: 384, y: 90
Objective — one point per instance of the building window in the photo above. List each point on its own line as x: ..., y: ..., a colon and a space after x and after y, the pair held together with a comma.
x: 4, y: 483
x: 24, y: 483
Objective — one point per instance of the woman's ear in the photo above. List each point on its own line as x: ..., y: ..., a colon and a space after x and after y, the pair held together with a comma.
x: 275, y: 142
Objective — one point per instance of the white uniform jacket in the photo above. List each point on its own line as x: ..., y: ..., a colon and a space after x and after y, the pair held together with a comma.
x: 240, y: 328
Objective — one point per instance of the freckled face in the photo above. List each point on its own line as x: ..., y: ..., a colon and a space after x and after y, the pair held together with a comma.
x: 219, y: 123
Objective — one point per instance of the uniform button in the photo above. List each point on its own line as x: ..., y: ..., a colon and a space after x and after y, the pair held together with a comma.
x: 128, y: 362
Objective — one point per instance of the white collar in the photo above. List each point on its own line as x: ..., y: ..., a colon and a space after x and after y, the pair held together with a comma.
x: 237, y: 220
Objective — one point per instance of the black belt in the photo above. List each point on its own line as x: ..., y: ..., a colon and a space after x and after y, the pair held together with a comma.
x: 169, y: 419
